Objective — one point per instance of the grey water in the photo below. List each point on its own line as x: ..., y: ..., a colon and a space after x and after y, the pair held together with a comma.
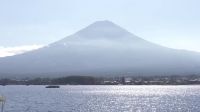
x: 102, y: 98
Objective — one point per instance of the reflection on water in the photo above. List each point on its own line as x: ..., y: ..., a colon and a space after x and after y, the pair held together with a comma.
x: 102, y: 99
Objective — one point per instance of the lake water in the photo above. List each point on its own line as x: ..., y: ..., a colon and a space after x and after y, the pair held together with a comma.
x: 102, y: 99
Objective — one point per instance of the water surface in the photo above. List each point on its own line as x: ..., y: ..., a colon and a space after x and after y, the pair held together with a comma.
x: 102, y: 99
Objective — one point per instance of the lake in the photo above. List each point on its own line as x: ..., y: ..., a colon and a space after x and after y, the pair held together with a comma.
x: 102, y: 98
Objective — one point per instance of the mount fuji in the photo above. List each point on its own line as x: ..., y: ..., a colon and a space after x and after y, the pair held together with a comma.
x: 101, y: 49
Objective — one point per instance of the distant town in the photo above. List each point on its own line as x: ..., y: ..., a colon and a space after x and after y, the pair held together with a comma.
x: 88, y: 80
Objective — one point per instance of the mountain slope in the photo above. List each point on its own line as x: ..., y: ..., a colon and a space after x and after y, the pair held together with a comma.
x: 102, y: 48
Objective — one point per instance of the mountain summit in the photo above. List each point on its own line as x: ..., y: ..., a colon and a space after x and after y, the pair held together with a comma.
x: 102, y: 48
x: 104, y: 32
x: 103, y: 29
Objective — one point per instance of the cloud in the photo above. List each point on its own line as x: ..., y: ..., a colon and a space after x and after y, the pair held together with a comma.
x: 10, y: 51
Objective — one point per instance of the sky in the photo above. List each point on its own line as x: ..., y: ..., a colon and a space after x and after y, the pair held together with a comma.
x: 31, y: 24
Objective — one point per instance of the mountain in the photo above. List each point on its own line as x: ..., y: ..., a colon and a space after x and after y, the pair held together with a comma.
x: 101, y: 49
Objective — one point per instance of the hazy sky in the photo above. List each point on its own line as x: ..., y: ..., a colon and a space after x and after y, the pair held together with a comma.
x: 172, y: 23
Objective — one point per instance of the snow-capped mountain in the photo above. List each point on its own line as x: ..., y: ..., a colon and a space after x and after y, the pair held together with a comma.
x: 102, y: 48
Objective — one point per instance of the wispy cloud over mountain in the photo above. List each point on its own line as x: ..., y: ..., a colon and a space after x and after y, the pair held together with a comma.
x: 10, y: 51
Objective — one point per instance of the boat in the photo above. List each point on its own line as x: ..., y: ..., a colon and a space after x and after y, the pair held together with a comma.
x: 52, y: 86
